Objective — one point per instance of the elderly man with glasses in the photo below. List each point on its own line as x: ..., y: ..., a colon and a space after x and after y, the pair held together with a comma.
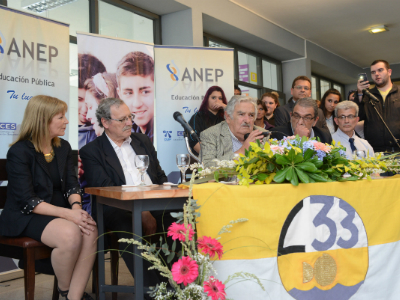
x: 301, y: 88
x: 302, y: 122
x: 346, y: 117
x: 109, y: 160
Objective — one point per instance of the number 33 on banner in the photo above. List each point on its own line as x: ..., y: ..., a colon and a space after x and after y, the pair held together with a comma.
x: 323, y: 250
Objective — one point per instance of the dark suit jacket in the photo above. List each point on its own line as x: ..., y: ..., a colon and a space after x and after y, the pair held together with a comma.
x: 286, y: 130
x: 282, y: 115
x: 102, y: 166
x: 29, y: 181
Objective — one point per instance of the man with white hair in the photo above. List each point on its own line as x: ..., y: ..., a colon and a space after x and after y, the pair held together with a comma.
x: 221, y: 141
x: 346, y: 117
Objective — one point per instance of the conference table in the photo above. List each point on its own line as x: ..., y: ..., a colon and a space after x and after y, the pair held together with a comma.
x: 135, y: 199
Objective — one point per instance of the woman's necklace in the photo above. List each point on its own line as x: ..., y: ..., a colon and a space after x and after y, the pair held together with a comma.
x: 50, y: 156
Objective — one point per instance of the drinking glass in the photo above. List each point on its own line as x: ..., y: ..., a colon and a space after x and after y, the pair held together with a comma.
x: 141, y: 163
x: 359, y: 154
x: 183, y: 162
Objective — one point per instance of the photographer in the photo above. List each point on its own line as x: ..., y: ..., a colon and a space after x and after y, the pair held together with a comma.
x: 387, y: 104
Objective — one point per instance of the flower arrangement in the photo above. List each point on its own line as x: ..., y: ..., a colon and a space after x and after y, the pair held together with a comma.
x: 192, y: 275
x: 295, y: 159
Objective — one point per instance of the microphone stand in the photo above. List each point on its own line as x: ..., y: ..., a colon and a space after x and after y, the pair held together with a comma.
x: 190, y: 150
x: 372, y: 102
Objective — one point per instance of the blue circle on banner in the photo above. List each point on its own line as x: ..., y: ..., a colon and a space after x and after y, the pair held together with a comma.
x: 323, y: 250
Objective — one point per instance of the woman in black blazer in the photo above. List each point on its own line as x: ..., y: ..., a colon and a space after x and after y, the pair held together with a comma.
x: 44, y: 197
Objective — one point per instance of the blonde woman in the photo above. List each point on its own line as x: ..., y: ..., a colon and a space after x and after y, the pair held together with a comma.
x: 44, y: 197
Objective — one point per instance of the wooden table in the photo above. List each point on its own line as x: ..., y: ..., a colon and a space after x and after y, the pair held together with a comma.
x: 135, y: 199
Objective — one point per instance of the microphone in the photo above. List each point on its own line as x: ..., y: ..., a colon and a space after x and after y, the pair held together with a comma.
x: 264, y: 133
x: 179, y: 118
x: 373, y: 97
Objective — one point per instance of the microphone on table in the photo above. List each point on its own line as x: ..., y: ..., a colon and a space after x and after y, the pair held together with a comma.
x: 179, y: 118
x: 372, y: 96
x: 264, y: 133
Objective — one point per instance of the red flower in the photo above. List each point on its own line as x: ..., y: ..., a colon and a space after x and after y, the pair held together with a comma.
x: 178, y: 231
x: 214, y: 289
x: 185, y: 270
x: 210, y: 246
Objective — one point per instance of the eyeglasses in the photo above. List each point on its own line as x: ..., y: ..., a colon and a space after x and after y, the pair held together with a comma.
x: 299, y: 87
x: 123, y: 120
x: 306, y: 118
x: 350, y: 117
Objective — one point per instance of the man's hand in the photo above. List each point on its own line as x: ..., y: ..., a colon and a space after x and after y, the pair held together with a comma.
x: 253, y: 136
x: 361, y: 85
x: 149, y: 223
x: 302, y: 130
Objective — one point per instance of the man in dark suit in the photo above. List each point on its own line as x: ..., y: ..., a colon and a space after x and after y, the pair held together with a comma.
x: 302, y: 122
x: 301, y: 88
x: 109, y: 161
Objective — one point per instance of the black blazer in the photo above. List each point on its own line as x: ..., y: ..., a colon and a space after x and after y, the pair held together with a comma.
x: 102, y: 166
x: 286, y: 130
x: 29, y: 182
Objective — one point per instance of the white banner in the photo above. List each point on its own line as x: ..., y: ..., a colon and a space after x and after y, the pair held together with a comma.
x: 116, y: 68
x: 183, y: 76
x: 34, y: 60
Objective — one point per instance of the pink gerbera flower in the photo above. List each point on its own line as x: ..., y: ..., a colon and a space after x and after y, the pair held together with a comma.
x: 185, y: 270
x: 178, y: 231
x: 210, y: 246
x: 214, y: 289
x: 322, y: 146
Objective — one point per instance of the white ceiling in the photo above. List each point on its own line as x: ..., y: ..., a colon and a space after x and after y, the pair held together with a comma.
x: 340, y: 26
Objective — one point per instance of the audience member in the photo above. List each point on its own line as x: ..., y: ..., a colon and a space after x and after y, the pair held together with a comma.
x: 329, y: 101
x: 109, y: 161
x: 302, y: 122
x: 271, y: 102
x: 237, y: 90
x: 44, y: 197
x: 261, y: 112
x: 301, y: 88
x: 135, y: 77
x: 211, y: 112
x: 318, y: 103
x: 346, y: 117
x: 226, y: 138
x: 388, y: 106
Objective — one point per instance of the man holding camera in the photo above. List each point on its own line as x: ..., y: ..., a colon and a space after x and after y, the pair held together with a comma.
x: 385, y: 97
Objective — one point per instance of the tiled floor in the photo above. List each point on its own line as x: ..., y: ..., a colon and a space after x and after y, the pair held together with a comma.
x: 14, y: 289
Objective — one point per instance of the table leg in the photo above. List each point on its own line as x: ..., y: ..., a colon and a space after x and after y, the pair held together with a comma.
x: 100, y: 249
x: 137, y: 260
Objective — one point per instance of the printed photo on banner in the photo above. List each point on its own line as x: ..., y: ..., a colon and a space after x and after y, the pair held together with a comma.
x: 113, y: 68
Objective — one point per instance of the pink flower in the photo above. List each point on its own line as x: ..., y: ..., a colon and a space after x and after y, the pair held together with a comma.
x: 276, y: 149
x: 185, y: 270
x: 210, y: 246
x: 178, y: 231
x: 214, y: 289
x: 322, y: 147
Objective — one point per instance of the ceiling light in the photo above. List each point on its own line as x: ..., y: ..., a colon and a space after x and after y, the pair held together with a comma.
x: 377, y: 29
x: 41, y: 6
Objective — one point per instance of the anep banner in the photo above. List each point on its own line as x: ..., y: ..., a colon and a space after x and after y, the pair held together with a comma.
x: 331, y: 241
x: 183, y: 76
x: 34, y: 60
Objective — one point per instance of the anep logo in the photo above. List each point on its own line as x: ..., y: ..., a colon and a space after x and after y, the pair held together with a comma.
x: 2, y: 45
x: 174, y: 71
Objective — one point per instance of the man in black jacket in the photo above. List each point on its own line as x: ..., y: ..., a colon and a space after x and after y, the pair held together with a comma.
x: 301, y: 88
x: 388, y: 105
x: 109, y: 161
x: 302, y: 122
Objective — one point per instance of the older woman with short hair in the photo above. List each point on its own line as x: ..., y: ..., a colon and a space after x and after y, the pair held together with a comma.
x: 44, y: 197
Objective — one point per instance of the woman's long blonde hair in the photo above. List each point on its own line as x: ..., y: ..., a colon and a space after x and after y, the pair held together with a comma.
x: 38, y: 115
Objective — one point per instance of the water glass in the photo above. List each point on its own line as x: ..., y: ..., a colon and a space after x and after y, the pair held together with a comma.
x: 183, y: 162
x: 359, y: 154
x: 142, y: 163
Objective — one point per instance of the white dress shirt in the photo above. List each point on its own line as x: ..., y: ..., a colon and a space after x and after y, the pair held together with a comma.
x: 360, y: 144
x: 126, y: 156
